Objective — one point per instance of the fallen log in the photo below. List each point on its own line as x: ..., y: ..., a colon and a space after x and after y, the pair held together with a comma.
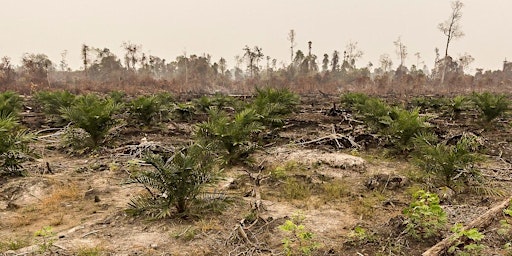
x: 480, y: 222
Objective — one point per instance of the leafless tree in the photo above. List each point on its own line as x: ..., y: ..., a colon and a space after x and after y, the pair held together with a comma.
x: 85, y: 57
x: 63, y: 63
x: 7, y: 73
x: 253, y: 56
x: 401, y: 50
x: 351, y: 54
x: 291, y: 38
x: 464, y: 61
x: 452, y: 29
x: 385, y: 62
x: 131, y: 56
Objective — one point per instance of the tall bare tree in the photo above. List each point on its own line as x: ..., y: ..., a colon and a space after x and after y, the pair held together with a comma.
x: 85, y: 57
x: 401, y: 50
x: 63, y: 63
x: 253, y: 56
x: 131, y: 56
x: 351, y: 55
x: 452, y: 29
x: 291, y: 38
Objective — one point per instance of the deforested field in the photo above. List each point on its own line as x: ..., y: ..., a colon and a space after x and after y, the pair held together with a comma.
x: 269, y: 173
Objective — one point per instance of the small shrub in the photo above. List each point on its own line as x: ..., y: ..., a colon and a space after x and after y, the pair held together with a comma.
x: 219, y: 101
x: 299, y: 241
x: 491, y: 106
x: 424, y: 216
x: 458, y: 104
x: 462, y: 248
x: 47, y: 238
x: 145, y: 109
x: 117, y: 96
x: 402, y: 126
x: 451, y: 165
x: 360, y: 236
x: 175, y: 182
x: 10, y: 104
x: 273, y: 105
x: 505, y: 229
x: 434, y: 103
x: 14, y: 148
x: 53, y: 102
x: 94, y: 115
x: 353, y: 99
x: 375, y: 113
x: 184, y: 111
x: 234, y: 137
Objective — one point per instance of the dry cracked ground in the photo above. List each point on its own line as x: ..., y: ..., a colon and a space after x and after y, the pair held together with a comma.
x: 303, y: 174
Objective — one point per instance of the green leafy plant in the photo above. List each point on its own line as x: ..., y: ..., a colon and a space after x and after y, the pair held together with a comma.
x: 14, y: 148
x: 424, y: 217
x: 10, y: 104
x: 145, y: 109
x: 273, y: 105
x: 117, y: 96
x: 359, y: 236
x: 426, y: 102
x: 460, y: 246
x: 353, y: 99
x: 490, y: 105
x: 184, y: 111
x: 94, y: 115
x: 458, y: 104
x: 218, y: 100
x: 505, y: 229
x: 14, y: 244
x: 299, y: 241
x: 174, y: 183
x: 451, y: 165
x: 402, y: 126
x: 375, y: 113
x: 233, y: 136
x: 47, y: 238
x: 53, y: 102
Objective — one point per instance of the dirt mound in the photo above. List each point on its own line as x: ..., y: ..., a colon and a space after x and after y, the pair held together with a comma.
x: 318, y: 158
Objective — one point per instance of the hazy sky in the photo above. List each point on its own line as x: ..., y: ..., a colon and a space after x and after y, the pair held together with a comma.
x: 168, y: 28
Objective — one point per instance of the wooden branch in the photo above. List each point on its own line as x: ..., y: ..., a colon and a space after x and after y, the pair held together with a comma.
x: 480, y: 222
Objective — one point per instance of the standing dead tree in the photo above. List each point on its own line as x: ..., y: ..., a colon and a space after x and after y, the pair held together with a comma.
x: 452, y: 29
x: 291, y: 38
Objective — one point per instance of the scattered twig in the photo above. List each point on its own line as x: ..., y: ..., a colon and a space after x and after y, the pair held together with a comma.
x: 90, y: 233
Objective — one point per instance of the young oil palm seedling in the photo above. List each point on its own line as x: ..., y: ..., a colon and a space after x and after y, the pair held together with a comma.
x: 53, y: 103
x: 274, y: 104
x: 402, y: 126
x: 452, y: 166
x: 10, y: 104
x: 173, y: 184
x: 93, y: 115
x: 14, y: 148
x: 235, y: 137
x: 458, y: 104
x: 219, y: 101
x: 491, y: 106
x: 147, y: 109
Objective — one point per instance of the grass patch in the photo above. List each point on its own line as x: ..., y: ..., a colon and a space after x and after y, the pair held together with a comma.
x: 14, y: 243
